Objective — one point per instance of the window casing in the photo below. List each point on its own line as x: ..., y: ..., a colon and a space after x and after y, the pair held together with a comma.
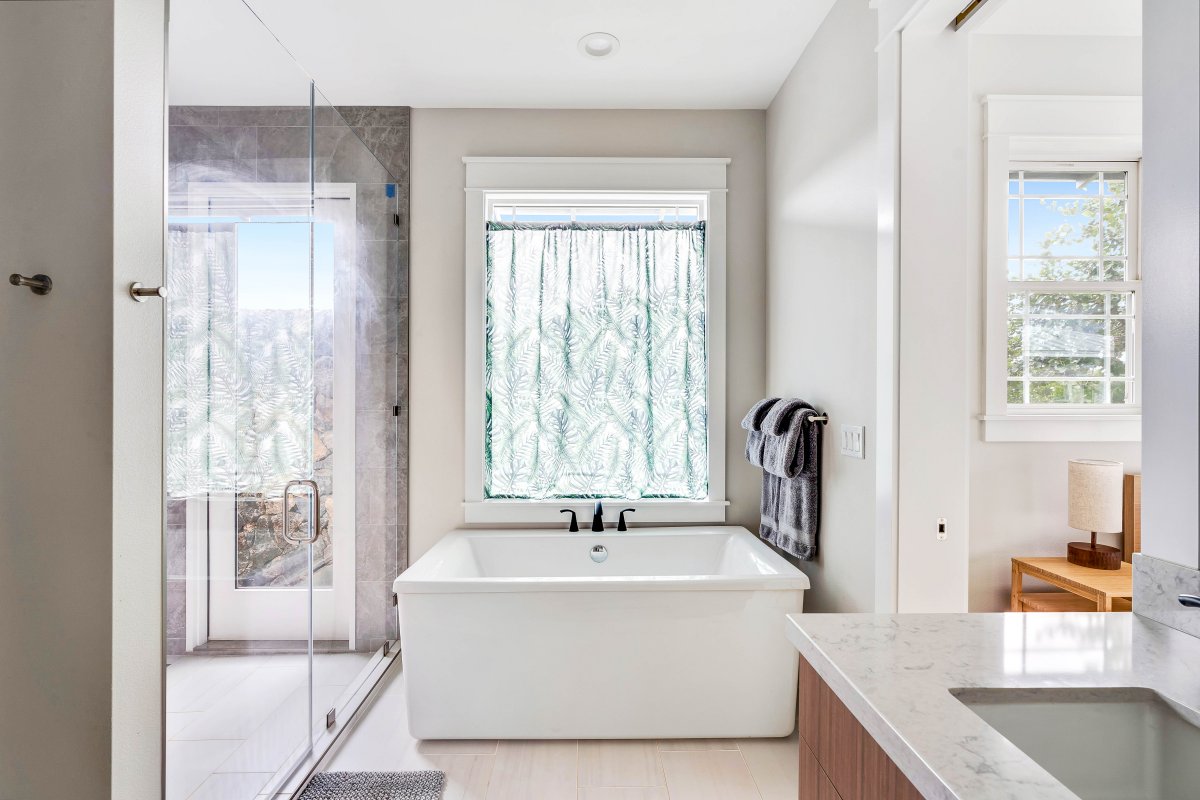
x: 1073, y: 289
x: 1059, y: 294
x: 675, y: 207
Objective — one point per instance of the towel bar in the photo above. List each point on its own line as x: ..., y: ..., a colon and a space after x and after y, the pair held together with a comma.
x: 823, y: 418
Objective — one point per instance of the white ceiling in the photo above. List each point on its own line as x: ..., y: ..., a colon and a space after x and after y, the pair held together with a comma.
x: 483, y: 53
x: 1064, y: 18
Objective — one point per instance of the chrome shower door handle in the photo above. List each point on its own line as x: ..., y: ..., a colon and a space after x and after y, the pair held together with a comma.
x: 314, y: 505
x: 142, y: 293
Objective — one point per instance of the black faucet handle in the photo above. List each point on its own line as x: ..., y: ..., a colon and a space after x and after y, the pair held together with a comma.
x: 598, y: 518
x: 574, y: 522
x: 1189, y: 600
x: 621, y: 521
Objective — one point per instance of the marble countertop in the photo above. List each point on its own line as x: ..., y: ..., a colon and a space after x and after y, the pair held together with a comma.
x: 895, y: 673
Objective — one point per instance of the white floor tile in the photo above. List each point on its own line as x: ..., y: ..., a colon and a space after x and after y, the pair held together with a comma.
x: 619, y: 763
x: 190, y: 763
x: 232, y: 786
x: 708, y: 775
x: 625, y: 793
x: 773, y: 764
x: 535, y: 771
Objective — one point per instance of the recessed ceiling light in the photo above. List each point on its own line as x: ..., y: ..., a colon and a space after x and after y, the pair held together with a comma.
x: 599, y: 44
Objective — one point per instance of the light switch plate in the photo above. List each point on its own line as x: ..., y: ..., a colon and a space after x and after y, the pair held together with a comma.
x: 853, y: 441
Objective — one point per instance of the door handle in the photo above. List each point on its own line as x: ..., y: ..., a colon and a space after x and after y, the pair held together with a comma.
x: 314, y: 505
x: 38, y: 284
x: 142, y: 293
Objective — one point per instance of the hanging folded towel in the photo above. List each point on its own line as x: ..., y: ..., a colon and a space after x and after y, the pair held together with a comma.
x: 789, y: 453
x: 753, y: 424
x: 782, y: 453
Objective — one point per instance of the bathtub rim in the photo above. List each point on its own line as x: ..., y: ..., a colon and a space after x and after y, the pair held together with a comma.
x: 787, y: 577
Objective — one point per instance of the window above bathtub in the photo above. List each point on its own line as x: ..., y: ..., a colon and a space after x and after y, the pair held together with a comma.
x: 595, y: 338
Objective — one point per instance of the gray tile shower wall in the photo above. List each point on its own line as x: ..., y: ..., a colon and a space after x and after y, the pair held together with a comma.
x: 270, y: 144
x: 1157, y: 585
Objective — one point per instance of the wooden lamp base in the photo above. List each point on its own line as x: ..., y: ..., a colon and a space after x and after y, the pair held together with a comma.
x: 1096, y: 556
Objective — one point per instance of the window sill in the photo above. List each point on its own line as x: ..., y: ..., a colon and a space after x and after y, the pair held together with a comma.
x: 546, y: 512
x: 1062, y: 428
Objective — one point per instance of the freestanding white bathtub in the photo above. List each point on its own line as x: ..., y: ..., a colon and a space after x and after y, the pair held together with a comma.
x: 676, y: 633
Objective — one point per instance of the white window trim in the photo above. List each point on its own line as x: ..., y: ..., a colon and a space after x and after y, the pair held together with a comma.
x: 1041, y: 128
x: 486, y: 177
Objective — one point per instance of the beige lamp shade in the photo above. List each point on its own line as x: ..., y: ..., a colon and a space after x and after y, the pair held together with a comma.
x: 1095, y: 495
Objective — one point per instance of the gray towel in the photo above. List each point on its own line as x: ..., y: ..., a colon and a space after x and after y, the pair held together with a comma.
x: 753, y: 423
x: 790, y: 511
x: 782, y: 454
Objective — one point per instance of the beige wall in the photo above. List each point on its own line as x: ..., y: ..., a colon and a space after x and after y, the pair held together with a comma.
x: 440, y: 138
x: 1018, y: 491
x: 821, y: 199
x: 56, y: 74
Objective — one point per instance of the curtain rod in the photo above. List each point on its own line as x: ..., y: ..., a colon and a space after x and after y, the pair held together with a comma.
x: 967, y: 12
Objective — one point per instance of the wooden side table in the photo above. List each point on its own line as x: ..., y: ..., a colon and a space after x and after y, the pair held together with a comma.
x: 1087, y: 589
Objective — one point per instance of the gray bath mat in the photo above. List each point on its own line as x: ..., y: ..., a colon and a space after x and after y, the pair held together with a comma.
x: 423, y: 785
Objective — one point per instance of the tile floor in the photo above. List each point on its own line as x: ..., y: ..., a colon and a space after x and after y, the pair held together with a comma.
x: 693, y: 769
x: 232, y: 721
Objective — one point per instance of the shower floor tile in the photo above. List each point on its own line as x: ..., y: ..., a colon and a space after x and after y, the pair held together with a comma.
x: 231, y: 719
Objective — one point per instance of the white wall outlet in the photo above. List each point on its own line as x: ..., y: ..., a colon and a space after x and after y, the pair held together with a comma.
x: 853, y: 441
x: 941, y: 529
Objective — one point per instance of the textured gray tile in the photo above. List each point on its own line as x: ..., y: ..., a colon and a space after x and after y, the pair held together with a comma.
x: 401, y: 260
x: 176, y: 645
x: 375, y: 381
x: 296, y: 115
x: 376, y: 268
x: 176, y: 511
x: 375, y: 438
x: 342, y: 157
x: 375, y: 496
x: 283, y: 154
x: 192, y: 115
x: 374, y: 331
x: 181, y: 174
x: 389, y: 145
x: 375, y: 553
x: 373, y: 209
x: 373, y: 604
x: 211, y: 143
x: 361, y: 116
x: 176, y: 608
x: 176, y: 551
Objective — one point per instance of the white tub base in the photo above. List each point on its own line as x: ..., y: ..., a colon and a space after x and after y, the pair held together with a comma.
x: 607, y: 653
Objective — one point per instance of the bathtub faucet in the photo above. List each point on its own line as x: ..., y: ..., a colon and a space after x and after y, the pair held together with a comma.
x: 598, y: 518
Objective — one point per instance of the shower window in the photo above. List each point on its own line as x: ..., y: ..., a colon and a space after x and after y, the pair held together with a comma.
x: 600, y: 336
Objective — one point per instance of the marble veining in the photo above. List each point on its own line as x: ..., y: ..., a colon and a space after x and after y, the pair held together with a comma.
x: 898, y: 673
x: 1157, y: 585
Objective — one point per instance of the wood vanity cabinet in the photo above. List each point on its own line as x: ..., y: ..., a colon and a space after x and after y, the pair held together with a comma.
x: 838, y: 759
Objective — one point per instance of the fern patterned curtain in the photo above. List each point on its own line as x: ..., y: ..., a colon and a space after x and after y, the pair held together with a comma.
x: 240, y: 382
x: 596, y: 370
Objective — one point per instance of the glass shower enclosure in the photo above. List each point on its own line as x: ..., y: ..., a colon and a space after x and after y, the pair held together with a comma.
x: 283, y: 366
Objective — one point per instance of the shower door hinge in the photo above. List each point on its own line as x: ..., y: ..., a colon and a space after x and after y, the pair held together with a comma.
x: 395, y: 600
x: 330, y: 718
x: 387, y: 649
x: 396, y: 220
x: 395, y: 411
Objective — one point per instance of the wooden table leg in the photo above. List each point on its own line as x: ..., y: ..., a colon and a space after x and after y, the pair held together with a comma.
x: 1104, y: 602
x: 1014, y: 598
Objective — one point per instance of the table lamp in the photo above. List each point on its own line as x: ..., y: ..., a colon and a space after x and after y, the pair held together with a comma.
x: 1094, y: 498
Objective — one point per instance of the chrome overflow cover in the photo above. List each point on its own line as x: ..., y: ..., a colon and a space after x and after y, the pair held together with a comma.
x: 599, y: 553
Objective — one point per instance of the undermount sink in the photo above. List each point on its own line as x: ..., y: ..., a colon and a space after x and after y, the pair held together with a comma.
x: 1102, y: 744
